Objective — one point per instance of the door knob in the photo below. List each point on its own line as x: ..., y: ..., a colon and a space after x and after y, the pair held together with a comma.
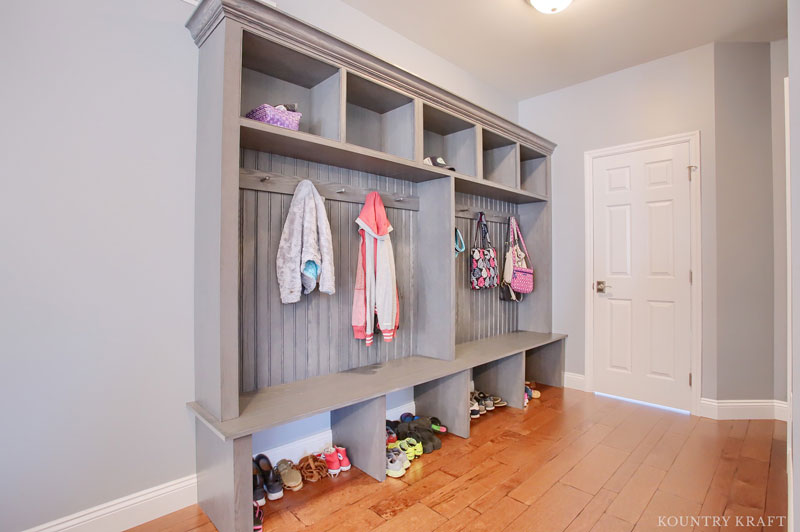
x: 601, y: 286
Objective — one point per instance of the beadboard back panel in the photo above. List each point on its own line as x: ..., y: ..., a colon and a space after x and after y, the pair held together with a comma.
x: 480, y: 313
x: 285, y: 343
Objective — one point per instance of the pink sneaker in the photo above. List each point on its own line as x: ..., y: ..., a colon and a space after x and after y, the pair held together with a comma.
x: 332, y: 461
x: 344, y: 462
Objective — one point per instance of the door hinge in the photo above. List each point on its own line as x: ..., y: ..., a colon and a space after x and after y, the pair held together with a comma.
x: 691, y: 277
x: 690, y: 379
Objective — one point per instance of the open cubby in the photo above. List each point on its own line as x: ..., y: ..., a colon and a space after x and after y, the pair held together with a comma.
x: 499, y: 159
x: 274, y: 74
x: 450, y: 137
x: 533, y: 171
x: 379, y: 118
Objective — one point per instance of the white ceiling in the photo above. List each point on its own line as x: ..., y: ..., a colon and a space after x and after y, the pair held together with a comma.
x: 509, y: 45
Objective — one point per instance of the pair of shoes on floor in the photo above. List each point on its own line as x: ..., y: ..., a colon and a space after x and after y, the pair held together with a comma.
x: 430, y: 422
x: 418, y: 430
x: 397, y: 459
x: 530, y: 392
x: 267, y: 481
x: 312, y: 468
x: 335, y: 459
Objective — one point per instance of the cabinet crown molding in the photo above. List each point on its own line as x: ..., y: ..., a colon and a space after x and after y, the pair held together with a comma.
x: 289, y: 31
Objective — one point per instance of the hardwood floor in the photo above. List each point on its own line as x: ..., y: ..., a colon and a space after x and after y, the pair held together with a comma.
x: 571, y: 461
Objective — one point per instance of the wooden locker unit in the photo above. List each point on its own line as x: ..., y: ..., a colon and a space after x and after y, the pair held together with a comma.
x: 367, y: 125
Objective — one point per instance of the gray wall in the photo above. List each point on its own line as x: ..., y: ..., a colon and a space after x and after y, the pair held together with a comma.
x: 98, y: 107
x: 98, y: 127
x: 745, y: 356
x: 722, y: 90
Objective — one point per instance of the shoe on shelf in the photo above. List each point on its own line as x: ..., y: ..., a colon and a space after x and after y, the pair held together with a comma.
x: 479, y: 402
x: 272, y: 479
x: 394, y: 466
x: 292, y: 479
x: 401, y: 456
x: 344, y: 462
x: 332, y: 461
x: 258, y: 517
x: 474, y: 411
x: 259, y: 494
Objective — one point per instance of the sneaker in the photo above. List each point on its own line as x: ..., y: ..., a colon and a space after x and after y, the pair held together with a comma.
x: 394, y: 467
x: 474, y: 411
x: 272, y: 479
x: 401, y: 456
x: 391, y: 437
x: 259, y: 495
x: 332, y: 461
x: 258, y: 516
x: 487, y: 401
x: 344, y: 462
x: 414, y: 446
x: 498, y: 401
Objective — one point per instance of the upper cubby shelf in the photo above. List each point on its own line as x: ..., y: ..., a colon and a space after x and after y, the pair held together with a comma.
x: 274, y: 74
x: 450, y: 137
x: 499, y: 159
x: 379, y: 118
x: 533, y: 171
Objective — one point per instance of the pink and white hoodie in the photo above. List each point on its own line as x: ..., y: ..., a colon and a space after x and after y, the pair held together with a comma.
x: 376, y: 282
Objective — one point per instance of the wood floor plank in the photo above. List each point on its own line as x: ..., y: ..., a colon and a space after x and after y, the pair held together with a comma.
x: 391, y: 506
x: 609, y: 523
x: 498, y: 517
x: 169, y: 520
x: 758, y: 441
x: 418, y: 518
x: 281, y: 521
x: 459, y: 522
x: 665, y: 504
x: 636, y: 495
x: 777, y: 483
x: 552, y: 512
x: 749, y: 487
x: 595, y: 469
x: 592, y: 512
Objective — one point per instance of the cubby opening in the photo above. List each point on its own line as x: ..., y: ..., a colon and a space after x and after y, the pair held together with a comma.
x: 533, y: 171
x: 499, y: 159
x: 379, y: 118
x: 274, y: 74
x: 450, y: 137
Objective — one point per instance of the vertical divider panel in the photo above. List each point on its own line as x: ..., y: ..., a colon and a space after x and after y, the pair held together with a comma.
x: 419, y: 150
x: 479, y: 152
x: 224, y: 479
x: 446, y: 398
x: 361, y: 428
x: 503, y: 377
x: 342, y: 104
x: 536, y: 310
x: 217, y: 228
x: 545, y: 364
x: 517, y: 165
x: 434, y: 266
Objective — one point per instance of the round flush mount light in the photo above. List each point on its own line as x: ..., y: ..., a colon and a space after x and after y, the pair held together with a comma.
x: 550, y: 6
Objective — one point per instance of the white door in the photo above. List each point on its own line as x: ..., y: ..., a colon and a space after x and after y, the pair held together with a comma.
x: 642, y: 251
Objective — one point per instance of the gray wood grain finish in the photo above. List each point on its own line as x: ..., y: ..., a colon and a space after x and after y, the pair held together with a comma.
x: 361, y: 429
x: 545, y: 364
x: 216, y: 229
x: 280, y: 184
x: 534, y: 171
x: 500, y: 165
x: 504, y: 377
x: 480, y: 313
x: 285, y: 343
x: 289, y: 31
x: 536, y: 310
x: 433, y: 269
x: 276, y: 405
x: 446, y: 398
x: 287, y: 64
x: 224, y: 479
x: 457, y: 148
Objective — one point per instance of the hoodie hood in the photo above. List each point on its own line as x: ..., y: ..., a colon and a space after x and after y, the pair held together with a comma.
x: 372, y: 218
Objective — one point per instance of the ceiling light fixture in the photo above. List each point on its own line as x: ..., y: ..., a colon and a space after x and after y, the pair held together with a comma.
x: 550, y: 6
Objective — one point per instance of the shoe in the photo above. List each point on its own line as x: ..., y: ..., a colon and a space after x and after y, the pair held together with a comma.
x: 391, y: 437
x: 332, y: 461
x: 259, y: 495
x: 487, y: 401
x: 406, y: 417
x: 535, y: 394
x: 498, y: 401
x: 344, y: 462
x: 272, y: 479
x: 394, y: 467
x: 437, y: 426
x: 474, y: 411
x: 312, y: 468
x: 292, y: 479
x: 414, y: 446
x: 423, y: 439
x: 258, y: 516
x: 479, y: 401
x: 401, y: 456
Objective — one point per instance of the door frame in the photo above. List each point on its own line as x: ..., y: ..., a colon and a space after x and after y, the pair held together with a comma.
x: 696, y: 292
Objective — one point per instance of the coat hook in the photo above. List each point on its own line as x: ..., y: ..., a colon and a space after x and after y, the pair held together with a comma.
x: 401, y: 198
x: 263, y: 179
x: 341, y: 190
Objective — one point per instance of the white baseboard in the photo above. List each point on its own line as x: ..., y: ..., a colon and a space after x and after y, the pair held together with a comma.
x: 130, y: 511
x: 396, y: 412
x: 575, y: 381
x: 744, y: 409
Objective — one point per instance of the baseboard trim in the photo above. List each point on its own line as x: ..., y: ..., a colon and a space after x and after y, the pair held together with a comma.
x: 575, y: 381
x: 129, y: 511
x: 744, y: 409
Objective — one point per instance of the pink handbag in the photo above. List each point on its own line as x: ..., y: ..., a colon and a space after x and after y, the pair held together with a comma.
x: 522, y: 279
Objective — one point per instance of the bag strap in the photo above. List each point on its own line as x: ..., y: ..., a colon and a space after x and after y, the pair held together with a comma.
x: 483, y: 230
x: 518, y: 235
x: 459, y: 238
